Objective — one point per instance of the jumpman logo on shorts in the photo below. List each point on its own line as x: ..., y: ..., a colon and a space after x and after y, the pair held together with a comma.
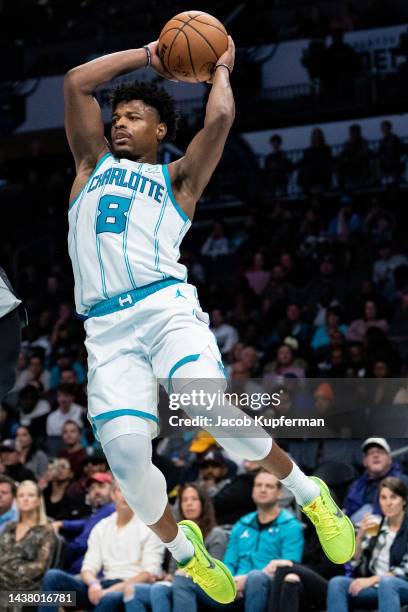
x: 179, y: 294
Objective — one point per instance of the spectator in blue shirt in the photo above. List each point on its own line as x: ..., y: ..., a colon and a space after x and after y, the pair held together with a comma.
x: 8, y: 510
x: 260, y: 537
x: 362, y: 496
x: 99, y: 498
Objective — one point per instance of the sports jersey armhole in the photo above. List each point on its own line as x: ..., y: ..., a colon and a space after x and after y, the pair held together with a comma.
x: 98, y: 165
x: 171, y: 194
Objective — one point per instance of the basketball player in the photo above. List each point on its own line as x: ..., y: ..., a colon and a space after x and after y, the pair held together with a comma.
x: 127, y: 218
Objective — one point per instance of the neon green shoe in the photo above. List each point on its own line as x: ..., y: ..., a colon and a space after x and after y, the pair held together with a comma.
x: 210, y: 574
x: 334, y: 529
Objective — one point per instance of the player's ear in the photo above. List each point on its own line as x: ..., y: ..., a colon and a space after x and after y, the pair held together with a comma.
x: 161, y: 131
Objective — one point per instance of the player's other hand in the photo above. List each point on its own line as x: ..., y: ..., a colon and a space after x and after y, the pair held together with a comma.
x: 227, y: 58
x: 156, y: 63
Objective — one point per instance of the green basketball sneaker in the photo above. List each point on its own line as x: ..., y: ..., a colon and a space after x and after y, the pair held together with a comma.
x: 210, y: 574
x: 334, y: 529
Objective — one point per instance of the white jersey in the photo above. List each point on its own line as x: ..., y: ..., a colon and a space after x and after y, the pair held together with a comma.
x: 125, y: 230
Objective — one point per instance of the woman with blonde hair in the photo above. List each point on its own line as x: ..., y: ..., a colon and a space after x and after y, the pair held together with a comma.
x: 26, y: 545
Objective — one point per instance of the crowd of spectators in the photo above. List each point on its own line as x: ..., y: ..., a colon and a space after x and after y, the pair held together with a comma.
x: 357, y: 164
x: 248, y: 519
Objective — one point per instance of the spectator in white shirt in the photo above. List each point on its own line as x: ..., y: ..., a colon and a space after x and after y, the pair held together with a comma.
x: 123, y: 548
x: 67, y: 410
x: 226, y: 335
x: 216, y: 243
x: 34, y: 372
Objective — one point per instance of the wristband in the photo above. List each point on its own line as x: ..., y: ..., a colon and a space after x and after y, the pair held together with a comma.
x: 148, y: 56
x: 95, y: 581
x: 225, y: 66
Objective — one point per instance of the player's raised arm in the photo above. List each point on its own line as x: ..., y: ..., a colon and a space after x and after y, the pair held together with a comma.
x: 83, y: 116
x: 191, y: 173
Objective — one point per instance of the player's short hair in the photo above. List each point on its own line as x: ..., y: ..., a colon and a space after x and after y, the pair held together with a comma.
x: 153, y: 96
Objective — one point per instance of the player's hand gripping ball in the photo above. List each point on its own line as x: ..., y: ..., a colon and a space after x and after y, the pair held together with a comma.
x: 190, y: 44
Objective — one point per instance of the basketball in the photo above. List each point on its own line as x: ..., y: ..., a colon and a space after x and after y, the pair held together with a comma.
x: 190, y: 45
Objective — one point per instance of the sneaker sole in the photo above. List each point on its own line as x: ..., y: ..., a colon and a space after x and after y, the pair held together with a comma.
x: 324, y: 486
x: 197, y: 531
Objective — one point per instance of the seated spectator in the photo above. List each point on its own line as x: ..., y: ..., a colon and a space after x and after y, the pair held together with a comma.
x: 389, y: 153
x: 212, y: 475
x: 10, y: 462
x: 356, y: 359
x: 8, y: 509
x: 322, y: 335
x: 384, y: 267
x: 35, y: 372
x: 285, y: 364
x: 379, y: 223
x: 235, y: 498
x: 26, y: 545
x: 362, y: 496
x: 66, y: 410
x: 226, y: 335
x: 250, y: 359
x: 354, y: 161
x: 60, y: 504
x: 277, y: 169
x: 257, y: 276
x: 260, y: 537
x: 120, y: 546
x: 380, y: 560
x: 333, y: 357
x: 33, y: 410
x: 31, y: 457
x: 216, y: 244
x: 92, y: 464
x: 183, y: 594
x: 346, y: 222
x: 359, y: 327
x: 73, y: 451
x: 67, y: 330
x: 292, y: 326
x: 64, y: 360
x: 99, y: 498
x: 302, y: 588
x: 316, y: 166
x: 324, y: 401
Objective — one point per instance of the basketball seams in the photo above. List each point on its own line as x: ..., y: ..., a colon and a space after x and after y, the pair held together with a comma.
x: 204, y: 38
x: 211, y: 25
x: 172, y: 43
x: 191, y: 57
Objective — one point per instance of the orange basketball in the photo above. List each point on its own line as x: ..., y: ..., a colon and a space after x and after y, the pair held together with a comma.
x: 190, y: 45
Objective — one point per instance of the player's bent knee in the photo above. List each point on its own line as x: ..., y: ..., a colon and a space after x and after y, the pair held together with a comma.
x: 142, y: 483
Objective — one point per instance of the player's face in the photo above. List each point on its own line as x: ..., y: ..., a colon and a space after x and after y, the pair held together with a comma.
x: 136, y: 129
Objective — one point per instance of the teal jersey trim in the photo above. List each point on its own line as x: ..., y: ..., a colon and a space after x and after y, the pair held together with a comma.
x: 100, y: 162
x: 112, y: 414
x: 178, y: 365
x: 171, y: 194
